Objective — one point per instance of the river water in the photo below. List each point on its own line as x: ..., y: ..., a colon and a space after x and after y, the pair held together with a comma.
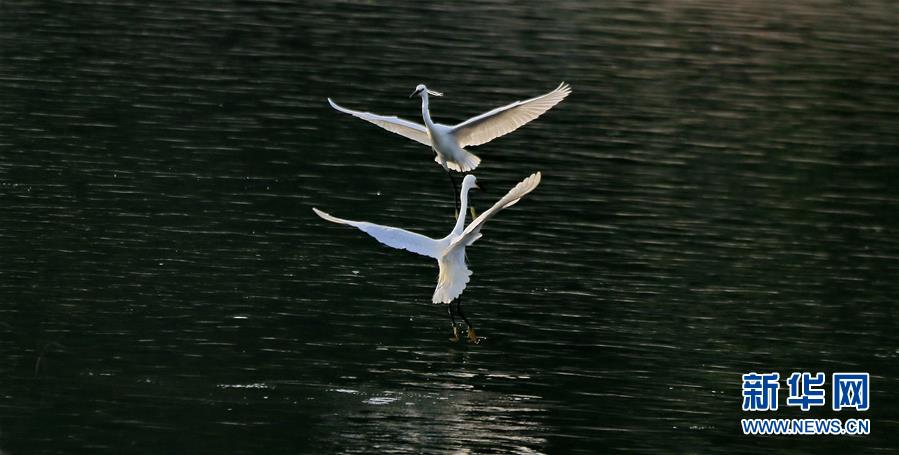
x: 719, y: 196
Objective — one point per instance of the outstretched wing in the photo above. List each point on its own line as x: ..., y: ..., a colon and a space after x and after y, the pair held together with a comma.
x: 503, y: 120
x: 472, y: 232
x: 391, y: 236
x: 393, y: 124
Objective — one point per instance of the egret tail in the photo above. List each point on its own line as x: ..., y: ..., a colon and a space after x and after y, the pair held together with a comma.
x: 465, y: 161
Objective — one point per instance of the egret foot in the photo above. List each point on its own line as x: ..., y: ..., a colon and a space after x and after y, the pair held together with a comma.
x: 455, y: 337
x: 473, y: 213
x: 472, y: 337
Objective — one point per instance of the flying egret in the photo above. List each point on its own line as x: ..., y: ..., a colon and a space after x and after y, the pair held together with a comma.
x: 448, y: 141
x: 450, y: 250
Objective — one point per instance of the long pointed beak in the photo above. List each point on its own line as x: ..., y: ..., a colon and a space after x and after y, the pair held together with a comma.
x: 413, y: 94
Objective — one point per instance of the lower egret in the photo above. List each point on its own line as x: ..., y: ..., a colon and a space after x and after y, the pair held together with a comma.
x: 450, y: 250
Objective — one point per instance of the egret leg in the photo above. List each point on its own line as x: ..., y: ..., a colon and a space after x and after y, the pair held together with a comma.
x: 472, y: 337
x: 449, y: 309
x: 455, y: 191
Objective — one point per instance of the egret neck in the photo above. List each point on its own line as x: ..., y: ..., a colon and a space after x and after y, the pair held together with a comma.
x: 425, y: 114
x: 460, y: 220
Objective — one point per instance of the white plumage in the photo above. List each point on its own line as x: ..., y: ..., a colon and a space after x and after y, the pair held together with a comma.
x: 449, y: 142
x: 394, y: 124
x: 450, y: 250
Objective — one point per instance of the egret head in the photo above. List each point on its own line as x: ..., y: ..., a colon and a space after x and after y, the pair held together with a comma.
x: 469, y: 182
x: 420, y: 90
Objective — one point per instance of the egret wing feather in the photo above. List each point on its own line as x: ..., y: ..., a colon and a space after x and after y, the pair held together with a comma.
x: 391, y: 236
x: 472, y: 232
x: 394, y: 124
x: 503, y: 120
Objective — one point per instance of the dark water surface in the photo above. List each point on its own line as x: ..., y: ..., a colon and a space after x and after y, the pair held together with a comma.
x: 720, y: 196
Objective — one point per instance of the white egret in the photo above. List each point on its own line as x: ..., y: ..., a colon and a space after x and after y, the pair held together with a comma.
x: 449, y: 141
x: 449, y: 251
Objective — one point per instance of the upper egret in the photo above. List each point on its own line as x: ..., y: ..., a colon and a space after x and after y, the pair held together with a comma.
x: 450, y: 250
x: 448, y: 141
